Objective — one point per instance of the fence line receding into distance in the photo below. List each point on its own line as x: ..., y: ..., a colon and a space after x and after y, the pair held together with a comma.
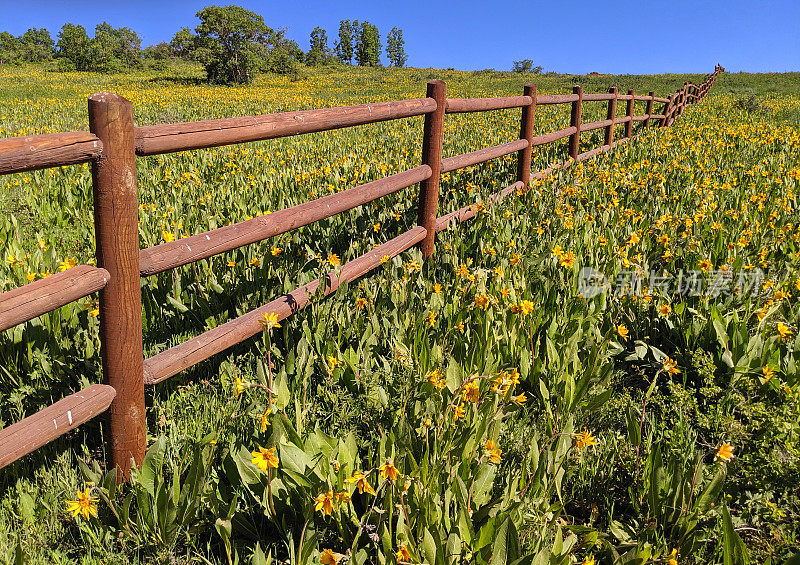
x: 112, y: 145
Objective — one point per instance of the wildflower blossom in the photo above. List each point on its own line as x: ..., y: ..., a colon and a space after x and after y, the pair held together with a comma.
x: 264, y: 459
x: 84, y: 504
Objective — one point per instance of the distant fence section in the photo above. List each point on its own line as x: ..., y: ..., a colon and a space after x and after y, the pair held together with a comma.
x: 112, y: 145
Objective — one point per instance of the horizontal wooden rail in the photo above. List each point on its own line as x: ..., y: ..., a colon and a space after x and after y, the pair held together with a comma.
x: 461, y: 105
x: 598, y: 96
x: 31, y: 152
x: 192, y: 351
x: 546, y: 99
x: 186, y: 250
x: 168, y: 138
x: 482, y: 155
x: 552, y: 136
x: 596, y: 125
x: 17, y: 440
x: 39, y: 297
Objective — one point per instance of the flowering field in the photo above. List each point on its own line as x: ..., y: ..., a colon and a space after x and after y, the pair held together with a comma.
x: 604, y: 369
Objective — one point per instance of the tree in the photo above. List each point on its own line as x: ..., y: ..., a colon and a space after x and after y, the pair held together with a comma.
x: 36, y: 45
x: 9, y: 48
x: 114, y: 49
x: 232, y: 43
x: 395, y: 48
x: 184, y: 44
x: 158, y: 52
x: 282, y: 58
x: 368, y: 48
x: 72, y: 48
x: 318, y: 54
x: 525, y: 66
x: 344, y: 47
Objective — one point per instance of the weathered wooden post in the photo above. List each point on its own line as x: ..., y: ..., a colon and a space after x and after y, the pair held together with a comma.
x: 629, y: 115
x: 667, y: 109
x: 611, y: 114
x: 649, y: 109
x: 575, y: 122
x: 432, y: 136
x: 116, y: 221
x: 684, y: 98
x: 526, y: 133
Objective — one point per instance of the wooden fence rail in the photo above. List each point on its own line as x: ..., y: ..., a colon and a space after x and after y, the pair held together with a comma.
x: 112, y: 147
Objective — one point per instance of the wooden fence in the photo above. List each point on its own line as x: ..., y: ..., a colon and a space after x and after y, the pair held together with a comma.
x: 112, y: 145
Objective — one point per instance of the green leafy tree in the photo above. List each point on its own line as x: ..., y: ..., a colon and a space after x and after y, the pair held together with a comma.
x: 184, y: 44
x: 114, y: 49
x: 72, y: 48
x: 368, y: 48
x: 525, y: 66
x: 395, y: 48
x: 319, y: 53
x: 36, y: 45
x: 282, y: 58
x: 344, y: 46
x: 232, y: 43
x: 9, y: 49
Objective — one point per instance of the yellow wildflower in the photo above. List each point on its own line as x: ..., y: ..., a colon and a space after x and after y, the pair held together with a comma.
x: 584, y: 439
x: 269, y: 320
x: 265, y: 419
x: 403, y: 554
x: 492, y: 452
x: 389, y: 471
x: 328, y: 557
x: 784, y: 331
x: 671, y: 366
x: 264, y: 459
x: 471, y: 392
x: 85, y: 504
x: 324, y: 502
x: 361, y: 483
x: 724, y: 453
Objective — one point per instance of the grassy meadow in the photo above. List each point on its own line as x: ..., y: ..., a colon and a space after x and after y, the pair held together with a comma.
x: 480, y: 407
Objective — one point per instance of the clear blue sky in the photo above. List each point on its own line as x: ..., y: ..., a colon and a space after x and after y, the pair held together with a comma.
x: 607, y: 36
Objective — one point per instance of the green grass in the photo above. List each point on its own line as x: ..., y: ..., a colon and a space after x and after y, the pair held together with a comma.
x: 380, y: 391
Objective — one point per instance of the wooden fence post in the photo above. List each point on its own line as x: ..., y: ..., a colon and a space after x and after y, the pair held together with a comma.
x: 648, y: 109
x: 629, y: 114
x: 432, y: 137
x: 116, y: 221
x: 667, y: 107
x: 684, y: 98
x: 575, y: 121
x: 611, y: 114
x: 526, y: 133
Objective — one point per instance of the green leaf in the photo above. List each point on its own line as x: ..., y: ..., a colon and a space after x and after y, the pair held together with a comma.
x: 634, y: 431
x: 482, y: 487
x: 429, y: 547
x: 712, y: 491
x: 734, y: 551
x: 151, y: 465
x: 506, y: 546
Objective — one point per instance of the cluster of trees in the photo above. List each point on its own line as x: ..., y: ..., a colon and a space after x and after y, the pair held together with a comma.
x: 525, y: 66
x: 362, y: 41
x: 232, y: 43
x: 111, y: 49
x: 33, y: 46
